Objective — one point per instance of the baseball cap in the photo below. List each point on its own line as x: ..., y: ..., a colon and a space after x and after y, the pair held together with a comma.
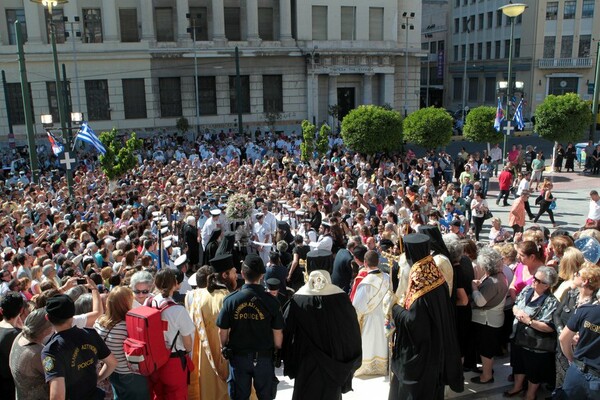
x: 60, y: 307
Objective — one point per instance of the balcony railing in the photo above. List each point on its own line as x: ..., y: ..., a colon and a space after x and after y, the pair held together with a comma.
x: 554, y: 63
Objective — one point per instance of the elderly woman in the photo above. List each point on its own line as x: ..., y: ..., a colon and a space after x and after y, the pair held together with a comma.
x: 571, y: 261
x: 497, y: 233
x: 141, y: 284
x: 534, y: 308
x: 489, y: 295
x: 586, y: 281
x: 25, y: 357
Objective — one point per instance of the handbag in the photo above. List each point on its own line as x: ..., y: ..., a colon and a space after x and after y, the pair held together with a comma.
x: 552, y: 205
x: 530, y: 338
x: 487, y: 214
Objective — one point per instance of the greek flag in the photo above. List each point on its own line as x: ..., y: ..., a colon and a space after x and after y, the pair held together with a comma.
x: 499, y: 116
x: 87, y: 135
x: 518, y: 118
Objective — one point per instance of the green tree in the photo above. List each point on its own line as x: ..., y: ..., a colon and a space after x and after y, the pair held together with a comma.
x: 323, y: 140
x: 429, y: 127
x: 118, y: 159
x: 370, y: 129
x: 307, y: 147
x: 563, y: 118
x: 479, y: 126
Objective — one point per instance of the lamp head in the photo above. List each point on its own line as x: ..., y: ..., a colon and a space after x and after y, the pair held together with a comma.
x: 513, y: 10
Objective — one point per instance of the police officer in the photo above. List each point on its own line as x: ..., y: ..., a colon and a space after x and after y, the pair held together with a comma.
x: 70, y: 356
x: 251, y: 329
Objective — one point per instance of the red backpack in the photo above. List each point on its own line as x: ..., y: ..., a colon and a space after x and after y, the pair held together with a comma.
x: 144, y: 347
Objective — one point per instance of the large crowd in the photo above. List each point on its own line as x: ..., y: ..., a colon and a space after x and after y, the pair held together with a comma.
x: 337, y: 260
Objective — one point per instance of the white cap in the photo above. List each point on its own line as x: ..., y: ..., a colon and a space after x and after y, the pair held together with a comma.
x: 215, y: 212
x: 192, y: 280
x: 180, y: 260
x: 166, y: 244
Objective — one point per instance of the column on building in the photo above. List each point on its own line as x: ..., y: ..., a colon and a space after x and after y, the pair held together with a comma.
x: 285, y: 21
x: 147, y: 17
x: 332, y: 98
x: 182, y: 21
x: 313, y: 96
x: 388, y: 89
x: 367, y: 88
x: 109, y: 21
x: 218, y: 13
x: 32, y: 13
x: 252, y: 21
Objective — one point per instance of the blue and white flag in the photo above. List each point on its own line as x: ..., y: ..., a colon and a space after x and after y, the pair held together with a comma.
x: 499, y: 116
x: 518, y: 118
x: 87, y: 135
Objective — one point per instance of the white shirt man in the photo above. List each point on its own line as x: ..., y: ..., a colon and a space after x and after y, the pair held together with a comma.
x: 210, y: 226
x: 594, y: 210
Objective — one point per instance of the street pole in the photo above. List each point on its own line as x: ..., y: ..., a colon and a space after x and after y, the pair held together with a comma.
x: 464, y: 94
x: 508, y: 86
x: 196, y: 86
x: 596, y: 89
x: 72, y: 38
x: 11, y: 133
x: 27, y: 109
x: 238, y: 92
x: 406, y: 70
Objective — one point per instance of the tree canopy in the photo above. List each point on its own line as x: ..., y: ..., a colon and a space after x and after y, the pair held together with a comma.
x: 118, y: 159
x: 479, y: 125
x: 307, y: 147
x: 428, y: 127
x: 370, y: 129
x: 563, y: 118
x: 323, y: 140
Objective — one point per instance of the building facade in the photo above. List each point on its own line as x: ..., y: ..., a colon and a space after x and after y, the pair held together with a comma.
x: 132, y: 64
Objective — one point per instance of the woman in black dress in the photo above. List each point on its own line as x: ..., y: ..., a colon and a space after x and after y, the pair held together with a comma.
x: 570, y: 154
x: 558, y: 157
x: 596, y: 161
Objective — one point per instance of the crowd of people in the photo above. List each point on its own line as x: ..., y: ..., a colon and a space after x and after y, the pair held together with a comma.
x: 336, y: 261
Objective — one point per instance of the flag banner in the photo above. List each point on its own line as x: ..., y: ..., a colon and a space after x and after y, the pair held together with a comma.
x: 57, y: 147
x: 87, y: 135
x: 499, y: 116
x: 518, y: 118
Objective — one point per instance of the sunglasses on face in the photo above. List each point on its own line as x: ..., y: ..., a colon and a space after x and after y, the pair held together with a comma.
x: 536, y: 280
x: 141, y: 291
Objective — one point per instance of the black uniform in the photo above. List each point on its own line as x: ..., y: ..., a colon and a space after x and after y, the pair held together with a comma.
x: 251, y: 315
x: 73, y: 354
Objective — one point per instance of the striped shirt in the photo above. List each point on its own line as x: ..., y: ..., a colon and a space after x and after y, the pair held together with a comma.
x: 114, y: 339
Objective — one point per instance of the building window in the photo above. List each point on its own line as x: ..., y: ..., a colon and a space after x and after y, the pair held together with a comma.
x: 348, y: 21
x: 519, y: 19
x: 440, y: 45
x: 265, y: 23
x: 490, y: 89
x: 570, y: 8
x: 13, y: 16
x: 472, y: 23
x: 375, y: 23
x: 465, y: 22
x: 457, y: 3
x: 92, y: 25
x: 562, y: 85
x: 52, y: 100
x: 456, y: 25
x: 233, y: 30
x: 455, y: 52
x: 207, y: 86
x: 506, y: 48
x: 425, y: 46
x: 433, y: 47
x: 490, y: 19
x: 585, y: 42
x: 199, y: 20
x: 480, y: 21
x: 164, y: 24
x: 319, y: 22
x: 128, y: 25
x: 566, y: 47
x: 272, y: 93
x: 479, y: 51
x: 96, y: 96
x: 244, y: 101
x: 457, y: 89
x: 498, y: 17
x: 134, y: 98
x: 551, y: 10
x: 463, y: 52
x: 488, y: 50
x: 497, y: 46
x: 587, y: 10
x: 517, y: 48
x: 15, y: 100
x: 549, y: 46
x: 170, y: 97
x: 472, y: 51
x: 59, y: 24
x: 473, y: 88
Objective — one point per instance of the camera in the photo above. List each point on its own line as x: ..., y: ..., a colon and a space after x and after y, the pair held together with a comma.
x: 226, y: 352
x: 81, y: 281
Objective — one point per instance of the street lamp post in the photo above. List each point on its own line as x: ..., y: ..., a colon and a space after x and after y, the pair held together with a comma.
x: 50, y: 4
x: 511, y: 11
x: 192, y: 29
x: 406, y: 26
x: 464, y: 90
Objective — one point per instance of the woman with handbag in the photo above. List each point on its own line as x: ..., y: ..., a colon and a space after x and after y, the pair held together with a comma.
x: 586, y: 282
x: 479, y: 207
x: 534, y: 342
x: 546, y: 203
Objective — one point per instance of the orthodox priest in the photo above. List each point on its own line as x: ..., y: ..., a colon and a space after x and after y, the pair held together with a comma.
x: 425, y: 354
x: 321, y: 340
x: 209, y: 380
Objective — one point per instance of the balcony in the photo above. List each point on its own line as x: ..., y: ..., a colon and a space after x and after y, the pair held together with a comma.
x: 565, y: 63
